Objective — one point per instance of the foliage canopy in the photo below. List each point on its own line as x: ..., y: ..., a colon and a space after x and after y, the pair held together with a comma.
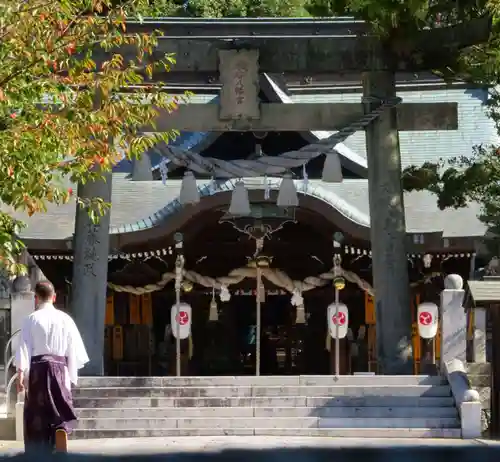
x: 59, y: 108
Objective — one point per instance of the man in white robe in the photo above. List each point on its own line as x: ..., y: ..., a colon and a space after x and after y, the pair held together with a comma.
x: 48, y: 358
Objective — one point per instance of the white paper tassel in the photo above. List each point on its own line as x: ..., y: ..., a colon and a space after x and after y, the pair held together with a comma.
x: 297, y: 298
x: 300, y: 317
x: 267, y: 190
x: 287, y: 197
x: 213, y: 314
x: 164, y: 170
x: 305, y: 178
x: 190, y: 193
x: 225, y: 295
x: 240, y: 205
x: 332, y: 170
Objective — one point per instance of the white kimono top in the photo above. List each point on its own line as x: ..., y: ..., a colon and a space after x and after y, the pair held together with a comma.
x: 49, y: 331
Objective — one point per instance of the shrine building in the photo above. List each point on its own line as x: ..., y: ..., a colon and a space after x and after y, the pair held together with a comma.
x: 299, y: 244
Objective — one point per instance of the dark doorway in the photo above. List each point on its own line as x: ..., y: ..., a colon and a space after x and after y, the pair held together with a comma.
x: 228, y: 346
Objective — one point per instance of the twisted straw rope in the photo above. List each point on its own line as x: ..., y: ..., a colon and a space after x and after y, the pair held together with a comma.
x: 268, y: 165
x: 277, y: 277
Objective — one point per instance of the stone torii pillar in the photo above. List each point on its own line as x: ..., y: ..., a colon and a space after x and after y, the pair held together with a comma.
x: 90, y: 273
x: 388, y: 230
x: 90, y: 265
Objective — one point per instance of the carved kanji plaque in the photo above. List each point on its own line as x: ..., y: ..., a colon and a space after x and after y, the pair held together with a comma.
x: 239, y: 75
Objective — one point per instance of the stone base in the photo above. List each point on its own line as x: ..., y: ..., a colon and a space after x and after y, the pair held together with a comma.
x: 480, y: 378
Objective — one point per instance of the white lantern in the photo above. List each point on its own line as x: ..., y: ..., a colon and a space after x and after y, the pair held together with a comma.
x: 427, y: 319
x: 338, y: 320
x: 180, y: 319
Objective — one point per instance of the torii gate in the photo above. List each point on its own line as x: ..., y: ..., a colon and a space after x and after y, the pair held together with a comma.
x: 234, y: 53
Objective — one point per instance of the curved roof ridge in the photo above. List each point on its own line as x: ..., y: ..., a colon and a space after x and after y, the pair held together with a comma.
x: 210, y: 188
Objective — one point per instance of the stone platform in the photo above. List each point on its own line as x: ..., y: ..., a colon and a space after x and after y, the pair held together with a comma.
x: 216, y: 444
x: 350, y: 406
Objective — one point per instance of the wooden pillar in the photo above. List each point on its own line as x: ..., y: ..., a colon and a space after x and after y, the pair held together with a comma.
x: 388, y: 230
x: 90, y: 274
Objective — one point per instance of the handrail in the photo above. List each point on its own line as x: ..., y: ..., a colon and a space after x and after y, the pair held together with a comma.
x: 8, y: 362
x: 6, y: 359
x: 6, y: 351
x: 7, y: 393
x: 7, y: 366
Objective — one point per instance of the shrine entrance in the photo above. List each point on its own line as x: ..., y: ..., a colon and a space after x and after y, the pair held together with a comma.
x: 228, y: 346
x: 270, y: 334
x: 294, y: 336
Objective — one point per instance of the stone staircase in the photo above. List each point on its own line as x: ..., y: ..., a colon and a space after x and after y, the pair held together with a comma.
x: 368, y: 406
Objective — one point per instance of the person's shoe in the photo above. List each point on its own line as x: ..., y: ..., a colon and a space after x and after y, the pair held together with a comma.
x: 61, y: 441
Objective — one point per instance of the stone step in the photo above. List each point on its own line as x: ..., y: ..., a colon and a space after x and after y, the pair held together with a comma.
x: 265, y: 422
x: 264, y: 431
x: 304, y: 380
x: 257, y: 391
x: 276, y: 401
x: 270, y: 412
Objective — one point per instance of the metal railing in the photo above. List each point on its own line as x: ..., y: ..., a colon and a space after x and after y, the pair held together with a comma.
x: 8, y: 362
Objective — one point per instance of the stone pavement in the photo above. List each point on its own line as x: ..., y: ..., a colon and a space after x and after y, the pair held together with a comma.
x: 215, y: 444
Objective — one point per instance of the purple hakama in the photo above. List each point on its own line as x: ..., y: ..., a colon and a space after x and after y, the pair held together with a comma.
x: 48, y: 405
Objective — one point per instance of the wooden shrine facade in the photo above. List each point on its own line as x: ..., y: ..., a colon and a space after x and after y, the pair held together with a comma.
x: 138, y: 338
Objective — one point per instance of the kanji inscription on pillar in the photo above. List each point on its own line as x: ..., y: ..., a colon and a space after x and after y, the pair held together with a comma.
x: 90, y: 254
x: 239, y: 75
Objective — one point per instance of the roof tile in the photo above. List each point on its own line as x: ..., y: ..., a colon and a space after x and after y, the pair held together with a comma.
x: 145, y: 203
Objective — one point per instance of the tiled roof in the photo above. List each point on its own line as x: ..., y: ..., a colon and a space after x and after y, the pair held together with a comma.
x: 417, y: 147
x: 485, y: 291
x: 137, y: 204
x: 140, y: 204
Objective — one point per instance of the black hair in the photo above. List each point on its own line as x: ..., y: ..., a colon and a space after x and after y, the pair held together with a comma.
x: 44, y: 290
